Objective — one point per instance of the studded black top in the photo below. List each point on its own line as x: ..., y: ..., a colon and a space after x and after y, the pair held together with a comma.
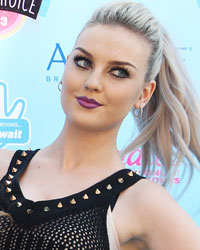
x: 74, y: 222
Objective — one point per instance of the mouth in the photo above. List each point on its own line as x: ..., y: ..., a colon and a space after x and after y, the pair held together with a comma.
x: 88, y: 103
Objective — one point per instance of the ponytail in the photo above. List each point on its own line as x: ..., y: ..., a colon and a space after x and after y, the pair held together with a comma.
x: 169, y: 125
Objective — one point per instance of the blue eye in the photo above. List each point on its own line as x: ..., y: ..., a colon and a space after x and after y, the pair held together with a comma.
x: 82, y: 62
x: 122, y: 73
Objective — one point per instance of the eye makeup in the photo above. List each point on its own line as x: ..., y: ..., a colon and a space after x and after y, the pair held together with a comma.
x: 124, y: 72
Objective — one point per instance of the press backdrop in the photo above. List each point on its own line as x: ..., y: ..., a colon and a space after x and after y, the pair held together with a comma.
x: 32, y: 58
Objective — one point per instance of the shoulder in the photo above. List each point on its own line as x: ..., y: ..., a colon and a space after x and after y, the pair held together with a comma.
x: 147, y: 199
x: 145, y: 191
x: 150, y: 199
x: 149, y: 192
x: 160, y: 216
x: 5, y: 158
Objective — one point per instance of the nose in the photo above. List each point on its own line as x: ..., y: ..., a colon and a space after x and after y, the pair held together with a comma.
x: 93, y: 82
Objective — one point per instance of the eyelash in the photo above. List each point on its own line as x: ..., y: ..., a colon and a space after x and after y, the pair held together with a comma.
x: 77, y: 58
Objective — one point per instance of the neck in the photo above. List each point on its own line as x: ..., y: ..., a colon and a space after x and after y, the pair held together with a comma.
x: 77, y: 148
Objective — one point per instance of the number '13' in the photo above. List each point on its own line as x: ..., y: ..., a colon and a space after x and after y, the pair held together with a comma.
x: 3, y: 21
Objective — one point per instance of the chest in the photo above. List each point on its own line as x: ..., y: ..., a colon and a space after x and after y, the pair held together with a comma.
x: 34, y: 200
x: 43, y: 183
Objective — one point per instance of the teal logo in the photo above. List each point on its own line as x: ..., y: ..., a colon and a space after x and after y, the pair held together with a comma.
x: 44, y: 8
x: 14, y: 128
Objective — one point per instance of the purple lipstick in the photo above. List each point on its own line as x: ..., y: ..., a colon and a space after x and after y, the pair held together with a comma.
x: 88, y: 103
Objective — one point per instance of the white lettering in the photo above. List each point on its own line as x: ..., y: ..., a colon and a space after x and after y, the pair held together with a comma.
x: 32, y: 4
x: 15, y: 133
x: 19, y: 4
x: 3, y: 21
x: 19, y: 136
x: 8, y: 124
x: 10, y: 3
x: 3, y: 134
x: 23, y: 8
x: 11, y: 135
x: 4, y: 4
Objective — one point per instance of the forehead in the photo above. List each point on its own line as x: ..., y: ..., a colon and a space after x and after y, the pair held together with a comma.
x: 114, y: 42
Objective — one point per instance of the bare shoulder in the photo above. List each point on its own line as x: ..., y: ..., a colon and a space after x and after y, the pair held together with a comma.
x: 146, y: 192
x: 146, y: 199
x: 5, y: 158
x: 161, y: 218
x: 150, y: 192
x: 152, y: 199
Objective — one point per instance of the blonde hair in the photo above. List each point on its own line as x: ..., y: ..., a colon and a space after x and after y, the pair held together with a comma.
x: 169, y: 125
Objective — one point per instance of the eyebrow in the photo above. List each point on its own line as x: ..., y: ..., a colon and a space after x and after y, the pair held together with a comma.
x: 112, y: 62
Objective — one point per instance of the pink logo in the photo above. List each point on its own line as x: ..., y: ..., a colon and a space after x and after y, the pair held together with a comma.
x: 133, y: 160
x: 10, y: 23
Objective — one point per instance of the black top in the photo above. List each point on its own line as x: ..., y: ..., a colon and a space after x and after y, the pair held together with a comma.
x: 76, y: 222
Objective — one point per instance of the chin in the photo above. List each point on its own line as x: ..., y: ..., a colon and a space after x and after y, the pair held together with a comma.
x: 90, y: 120
x: 92, y: 125
x: 88, y: 125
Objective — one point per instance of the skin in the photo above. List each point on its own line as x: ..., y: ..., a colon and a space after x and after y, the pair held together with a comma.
x: 144, y: 211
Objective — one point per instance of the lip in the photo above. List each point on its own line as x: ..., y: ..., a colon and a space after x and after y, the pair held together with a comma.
x: 87, y: 102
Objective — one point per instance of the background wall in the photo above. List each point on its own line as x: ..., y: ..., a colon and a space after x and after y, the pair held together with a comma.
x: 32, y: 57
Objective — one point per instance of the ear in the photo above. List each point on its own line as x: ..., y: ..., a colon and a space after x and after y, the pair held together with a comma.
x: 146, y: 94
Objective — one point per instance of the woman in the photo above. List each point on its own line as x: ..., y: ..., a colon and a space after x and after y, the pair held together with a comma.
x: 75, y: 193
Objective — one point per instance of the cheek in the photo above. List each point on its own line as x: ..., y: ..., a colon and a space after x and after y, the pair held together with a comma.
x: 71, y: 86
x: 67, y: 90
x: 124, y: 97
x: 71, y: 79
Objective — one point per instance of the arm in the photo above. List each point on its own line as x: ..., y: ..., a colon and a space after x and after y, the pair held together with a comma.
x: 166, y: 225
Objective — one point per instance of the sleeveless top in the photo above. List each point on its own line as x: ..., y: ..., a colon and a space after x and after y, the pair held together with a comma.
x: 79, y: 221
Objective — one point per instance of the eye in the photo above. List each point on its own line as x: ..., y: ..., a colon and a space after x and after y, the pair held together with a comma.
x: 121, y: 72
x: 85, y: 63
x: 82, y: 62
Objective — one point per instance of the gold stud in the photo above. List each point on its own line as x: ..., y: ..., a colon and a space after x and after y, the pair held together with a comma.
x: 24, y: 154
x: 8, y: 182
x: 13, y: 198
x: 19, y: 204
x: 14, y: 170
x: 46, y: 209
x: 59, y: 205
x: 109, y: 187
x: 85, y: 197
x: 73, y: 201
x: 10, y: 177
x: 130, y: 173
x: 18, y: 162
x: 8, y: 190
x: 120, y: 180
x: 97, y: 191
x: 29, y: 211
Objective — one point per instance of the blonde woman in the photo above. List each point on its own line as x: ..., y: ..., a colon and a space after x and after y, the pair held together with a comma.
x: 76, y: 193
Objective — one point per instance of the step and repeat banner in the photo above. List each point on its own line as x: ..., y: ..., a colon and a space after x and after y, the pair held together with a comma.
x: 35, y: 38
